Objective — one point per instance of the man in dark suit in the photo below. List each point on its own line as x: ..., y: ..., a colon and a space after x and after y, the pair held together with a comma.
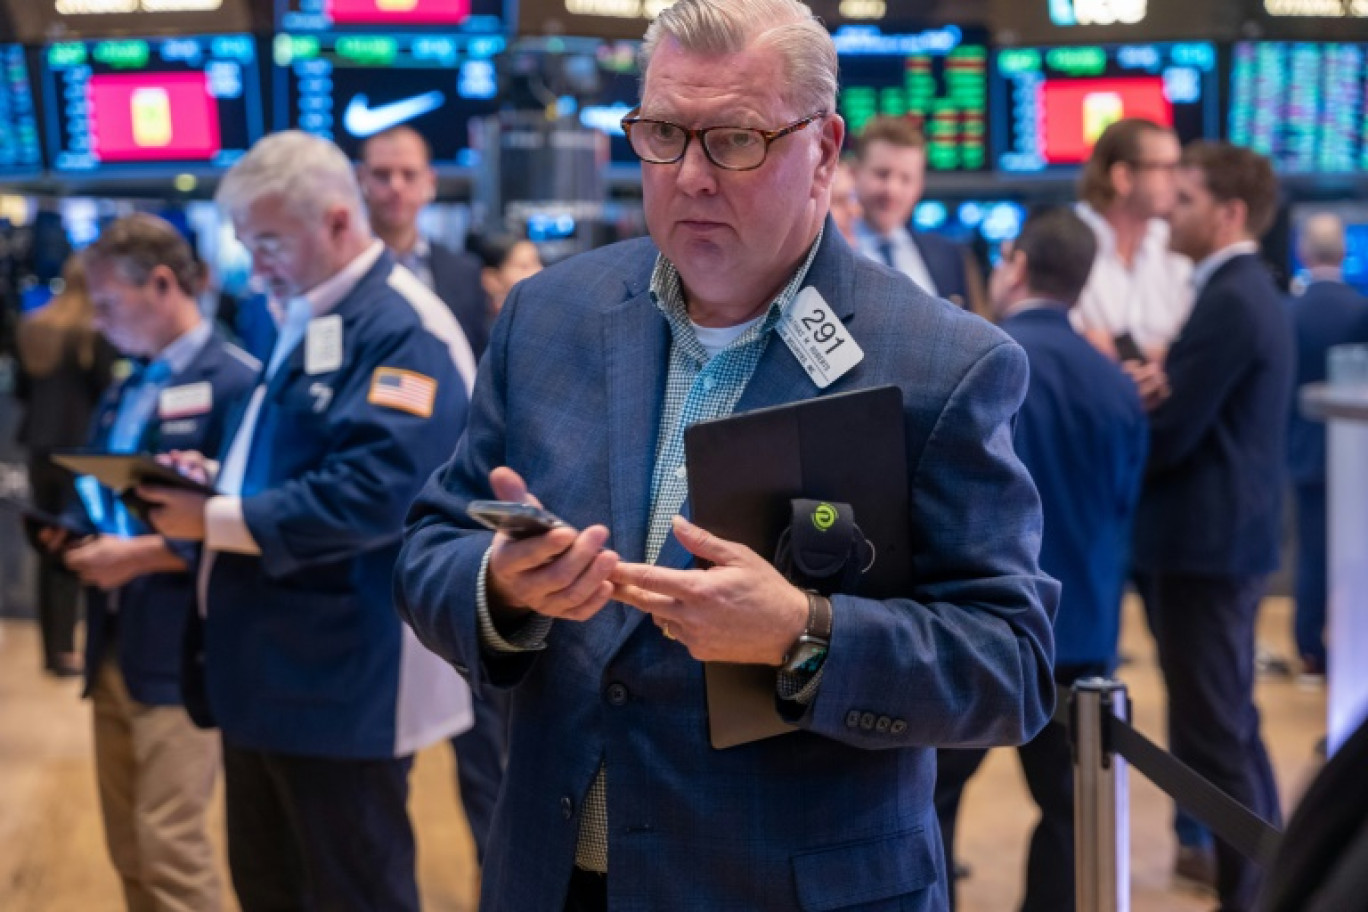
x: 1207, y: 529
x: 1082, y: 434
x: 1326, y: 314
x: 156, y: 770
x: 614, y: 797
x: 397, y: 180
x: 890, y: 175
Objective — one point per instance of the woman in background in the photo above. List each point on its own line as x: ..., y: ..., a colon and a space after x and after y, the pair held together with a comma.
x: 64, y: 367
x: 507, y: 260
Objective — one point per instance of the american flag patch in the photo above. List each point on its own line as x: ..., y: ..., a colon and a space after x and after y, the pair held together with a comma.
x: 403, y: 390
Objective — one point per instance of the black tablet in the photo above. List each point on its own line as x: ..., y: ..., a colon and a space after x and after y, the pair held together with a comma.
x: 125, y: 471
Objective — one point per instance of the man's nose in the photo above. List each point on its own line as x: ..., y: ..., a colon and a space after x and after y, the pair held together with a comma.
x: 697, y: 174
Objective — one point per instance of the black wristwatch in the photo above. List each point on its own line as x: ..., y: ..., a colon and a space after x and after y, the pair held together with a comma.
x: 808, y: 651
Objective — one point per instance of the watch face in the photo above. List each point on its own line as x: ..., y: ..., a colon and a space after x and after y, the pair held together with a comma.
x: 807, y: 657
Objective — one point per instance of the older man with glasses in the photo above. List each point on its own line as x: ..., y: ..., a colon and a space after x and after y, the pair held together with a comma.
x: 614, y: 797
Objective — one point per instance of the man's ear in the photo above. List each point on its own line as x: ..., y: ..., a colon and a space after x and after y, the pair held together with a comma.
x: 1122, y: 180
x: 832, y: 139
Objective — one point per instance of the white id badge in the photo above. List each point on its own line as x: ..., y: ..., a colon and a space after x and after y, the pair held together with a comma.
x: 323, y: 345
x: 185, y: 401
x: 818, y: 339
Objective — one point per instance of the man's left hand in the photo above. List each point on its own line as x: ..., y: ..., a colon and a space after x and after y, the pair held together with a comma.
x: 739, y: 610
x: 175, y: 514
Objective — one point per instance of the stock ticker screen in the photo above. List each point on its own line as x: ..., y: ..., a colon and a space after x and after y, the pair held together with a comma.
x: 1051, y: 104
x: 151, y: 103
x: 465, y: 16
x: 350, y: 87
x: 937, y: 77
x: 20, y: 151
x: 1302, y: 104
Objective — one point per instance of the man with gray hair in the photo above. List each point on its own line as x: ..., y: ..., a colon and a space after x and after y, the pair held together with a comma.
x: 614, y: 797
x: 1328, y: 312
x: 321, y: 693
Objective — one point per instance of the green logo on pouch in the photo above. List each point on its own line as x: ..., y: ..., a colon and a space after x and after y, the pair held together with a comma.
x: 824, y: 517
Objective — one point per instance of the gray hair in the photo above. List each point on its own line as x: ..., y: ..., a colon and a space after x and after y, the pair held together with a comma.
x: 731, y: 26
x: 308, y: 173
x: 1322, y: 240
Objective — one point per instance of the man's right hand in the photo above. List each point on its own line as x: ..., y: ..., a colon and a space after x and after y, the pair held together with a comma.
x: 193, y: 465
x: 561, y: 574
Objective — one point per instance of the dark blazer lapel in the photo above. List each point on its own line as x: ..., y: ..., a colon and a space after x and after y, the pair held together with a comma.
x: 779, y: 378
x: 636, y: 347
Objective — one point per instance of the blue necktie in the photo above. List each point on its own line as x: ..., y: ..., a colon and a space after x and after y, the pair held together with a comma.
x: 137, y: 404
x: 886, y: 252
x: 256, y: 472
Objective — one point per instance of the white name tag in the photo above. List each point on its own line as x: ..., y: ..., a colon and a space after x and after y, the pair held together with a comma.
x: 818, y: 339
x: 185, y: 401
x: 323, y: 345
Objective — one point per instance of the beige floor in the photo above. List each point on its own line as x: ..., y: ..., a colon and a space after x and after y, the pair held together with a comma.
x: 52, y: 855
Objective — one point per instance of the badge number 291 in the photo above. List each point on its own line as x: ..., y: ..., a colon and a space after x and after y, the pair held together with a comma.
x: 819, y: 340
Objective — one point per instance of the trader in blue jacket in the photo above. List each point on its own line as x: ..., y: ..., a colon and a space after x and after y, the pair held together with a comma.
x: 156, y: 769
x: 322, y: 693
x: 614, y: 797
x: 1082, y: 434
x: 1329, y: 312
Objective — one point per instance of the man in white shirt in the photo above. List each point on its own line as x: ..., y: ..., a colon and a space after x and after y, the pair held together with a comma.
x: 1138, y: 287
x: 890, y: 176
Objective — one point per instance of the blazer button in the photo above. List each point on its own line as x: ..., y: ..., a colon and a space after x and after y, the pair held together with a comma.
x: 867, y: 721
x: 898, y: 727
x: 617, y: 694
x: 567, y: 807
x: 883, y: 725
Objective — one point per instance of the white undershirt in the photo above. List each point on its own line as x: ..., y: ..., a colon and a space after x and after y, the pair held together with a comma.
x: 1150, y: 299
x: 715, y: 339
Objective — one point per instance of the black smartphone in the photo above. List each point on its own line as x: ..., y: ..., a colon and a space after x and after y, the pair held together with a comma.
x: 1128, y: 350
x: 516, y: 520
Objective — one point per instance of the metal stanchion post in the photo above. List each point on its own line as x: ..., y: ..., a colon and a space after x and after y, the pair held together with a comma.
x: 1101, y: 800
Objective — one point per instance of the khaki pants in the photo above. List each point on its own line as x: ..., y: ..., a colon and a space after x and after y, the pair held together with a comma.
x: 156, y: 774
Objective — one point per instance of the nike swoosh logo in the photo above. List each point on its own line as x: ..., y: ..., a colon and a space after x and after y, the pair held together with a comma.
x: 361, y: 120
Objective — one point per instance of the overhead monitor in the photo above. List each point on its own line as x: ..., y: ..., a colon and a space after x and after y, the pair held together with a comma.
x: 38, y: 21
x: 20, y: 150
x: 151, y: 104
x: 484, y: 17
x: 629, y: 19
x: 1051, y: 104
x: 618, y: 90
x: 350, y: 87
x: 937, y: 77
x: 1301, y: 104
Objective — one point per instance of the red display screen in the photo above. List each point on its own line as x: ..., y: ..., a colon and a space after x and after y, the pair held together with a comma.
x: 398, y: 12
x: 1076, y: 111
x: 147, y: 117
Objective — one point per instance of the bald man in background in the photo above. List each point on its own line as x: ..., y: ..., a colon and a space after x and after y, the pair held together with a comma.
x: 398, y: 182
x: 1329, y: 312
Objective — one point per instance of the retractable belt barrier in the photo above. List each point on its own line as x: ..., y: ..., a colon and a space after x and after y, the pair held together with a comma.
x: 1095, y: 711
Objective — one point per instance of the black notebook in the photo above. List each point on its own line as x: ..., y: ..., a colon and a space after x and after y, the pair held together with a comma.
x: 743, y: 472
x: 125, y: 471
